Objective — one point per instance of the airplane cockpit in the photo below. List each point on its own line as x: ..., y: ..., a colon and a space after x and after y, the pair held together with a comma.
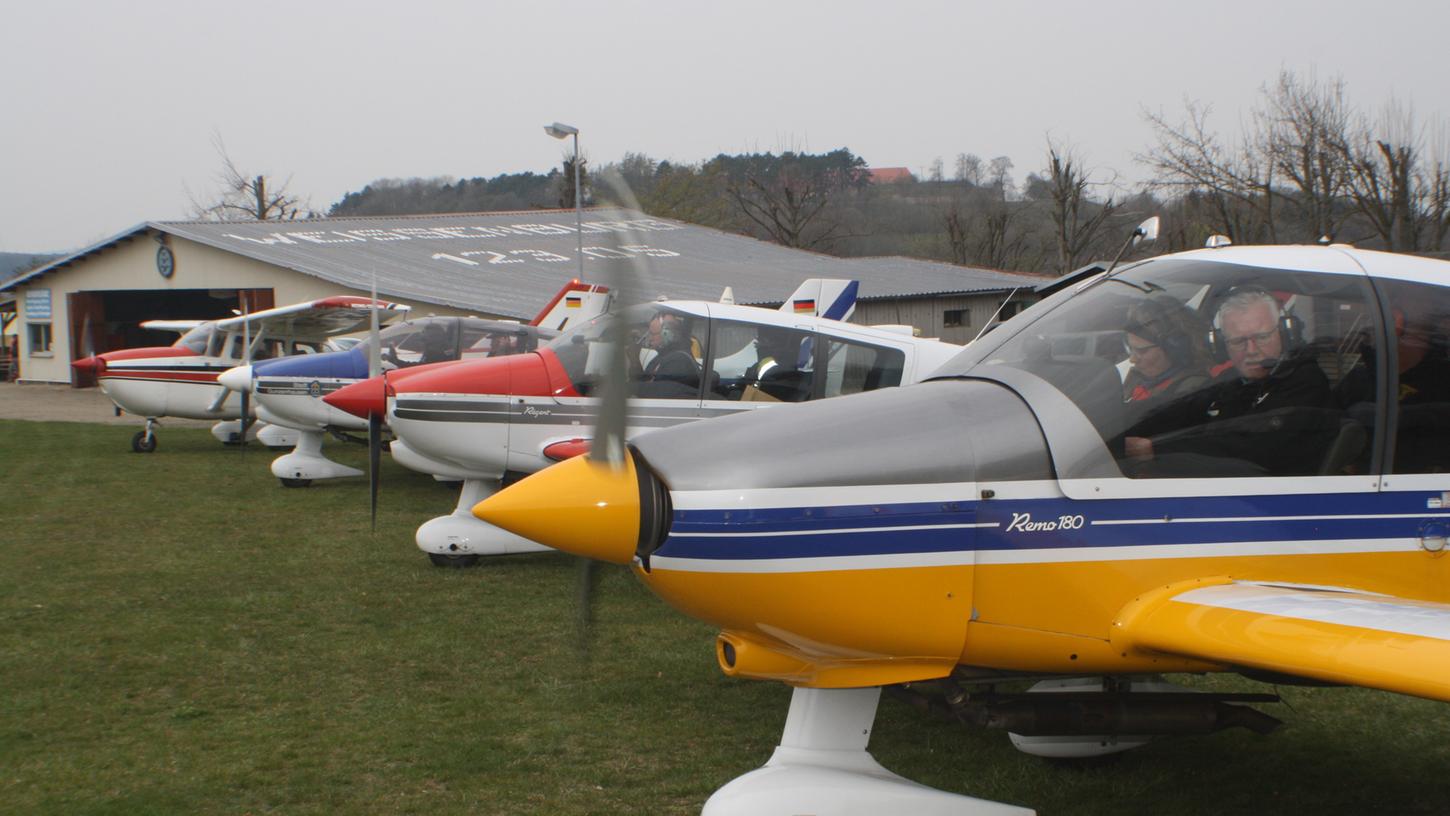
x: 1206, y: 369
x: 677, y: 354
x: 439, y: 339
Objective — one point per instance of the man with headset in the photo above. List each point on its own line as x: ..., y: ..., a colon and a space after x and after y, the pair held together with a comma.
x: 672, y: 372
x: 1251, y: 411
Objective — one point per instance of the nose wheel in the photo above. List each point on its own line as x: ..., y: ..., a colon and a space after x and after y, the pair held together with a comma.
x: 145, y: 441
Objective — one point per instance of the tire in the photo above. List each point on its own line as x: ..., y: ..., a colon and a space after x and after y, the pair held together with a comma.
x: 295, y: 482
x: 140, y: 444
x: 452, y: 561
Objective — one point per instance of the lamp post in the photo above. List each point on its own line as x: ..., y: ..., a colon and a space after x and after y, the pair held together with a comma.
x: 559, y: 130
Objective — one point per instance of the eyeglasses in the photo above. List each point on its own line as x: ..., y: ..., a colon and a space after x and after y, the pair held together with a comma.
x: 1137, y: 350
x: 1260, y: 340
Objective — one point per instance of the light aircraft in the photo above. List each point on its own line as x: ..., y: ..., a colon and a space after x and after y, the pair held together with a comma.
x: 1279, y: 508
x: 494, y: 420
x: 288, y: 391
x: 180, y: 380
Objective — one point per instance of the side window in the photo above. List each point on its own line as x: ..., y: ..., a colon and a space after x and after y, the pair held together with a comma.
x: 1421, y: 386
x: 1289, y: 389
x: 480, y: 341
x: 40, y: 338
x: 759, y: 363
x: 855, y: 367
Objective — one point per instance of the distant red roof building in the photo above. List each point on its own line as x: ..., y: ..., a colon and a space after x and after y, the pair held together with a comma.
x: 890, y: 175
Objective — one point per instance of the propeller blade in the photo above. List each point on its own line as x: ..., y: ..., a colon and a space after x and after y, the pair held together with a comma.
x: 246, y: 402
x: 375, y: 458
x: 375, y: 420
x: 628, y: 278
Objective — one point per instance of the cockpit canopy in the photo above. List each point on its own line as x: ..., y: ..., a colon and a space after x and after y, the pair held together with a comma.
x: 1191, y: 367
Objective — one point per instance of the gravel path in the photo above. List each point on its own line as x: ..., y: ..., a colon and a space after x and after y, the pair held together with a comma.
x: 61, y: 403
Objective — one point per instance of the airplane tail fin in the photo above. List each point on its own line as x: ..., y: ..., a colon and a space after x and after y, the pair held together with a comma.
x: 823, y: 297
x: 574, y: 304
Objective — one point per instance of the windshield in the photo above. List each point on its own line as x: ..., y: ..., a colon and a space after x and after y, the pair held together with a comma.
x: 665, y: 350
x: 197, y: 339
x: 1161, y: 356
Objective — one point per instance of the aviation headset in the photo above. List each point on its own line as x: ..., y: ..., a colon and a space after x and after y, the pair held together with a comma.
x: 1291, y: 329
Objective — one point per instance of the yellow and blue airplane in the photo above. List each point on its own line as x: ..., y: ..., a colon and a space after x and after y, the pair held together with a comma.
x: 1257, y: 482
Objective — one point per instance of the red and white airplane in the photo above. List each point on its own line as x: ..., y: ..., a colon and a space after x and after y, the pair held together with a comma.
x: 491, y: 421
x: 180, y: 380
x: 288, y: 391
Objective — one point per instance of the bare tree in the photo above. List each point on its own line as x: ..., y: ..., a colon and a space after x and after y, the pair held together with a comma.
x: 1077, y: 219
x: 969, y: 169
x: 1234, y: 181
x: 1403, y: 192
x: 1300, y: 129
x: 788, y: 195
x: 244, y: 196
x: 999, y: 175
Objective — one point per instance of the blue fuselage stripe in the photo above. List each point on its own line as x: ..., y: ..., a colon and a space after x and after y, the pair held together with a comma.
x: 1043, y: 524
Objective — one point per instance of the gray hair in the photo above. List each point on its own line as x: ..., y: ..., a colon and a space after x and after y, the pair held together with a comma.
x: 1243, y: 299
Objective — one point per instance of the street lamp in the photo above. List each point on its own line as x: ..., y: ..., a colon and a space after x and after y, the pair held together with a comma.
x: 559, y: 130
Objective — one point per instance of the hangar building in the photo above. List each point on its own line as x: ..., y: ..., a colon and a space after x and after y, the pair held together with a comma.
x: 487, y: 264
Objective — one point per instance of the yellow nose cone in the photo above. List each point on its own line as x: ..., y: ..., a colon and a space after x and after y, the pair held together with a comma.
x: 580, y: 505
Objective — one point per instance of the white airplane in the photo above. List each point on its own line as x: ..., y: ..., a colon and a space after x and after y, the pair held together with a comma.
x: 1266, y: 492
x: 288, y: 391
x: 180, y: 380
x: 494, y: 420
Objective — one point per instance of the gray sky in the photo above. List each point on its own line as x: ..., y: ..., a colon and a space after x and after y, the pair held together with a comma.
x: 107, y: 109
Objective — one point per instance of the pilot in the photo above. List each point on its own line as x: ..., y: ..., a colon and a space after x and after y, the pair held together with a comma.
x: 1164, y: 344
x: 436, y: 348
x: 672, y: 371
x: 1263, y: 380
x: 502, y: 344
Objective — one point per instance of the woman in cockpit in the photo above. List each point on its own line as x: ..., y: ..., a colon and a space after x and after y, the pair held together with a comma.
x: 1167, y: 346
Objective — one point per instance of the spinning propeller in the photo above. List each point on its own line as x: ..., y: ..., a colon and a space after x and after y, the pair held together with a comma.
x: 375, y: 422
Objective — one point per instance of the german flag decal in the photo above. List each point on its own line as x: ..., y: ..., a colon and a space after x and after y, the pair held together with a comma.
x: 806, y: 306
x: 573, y: 302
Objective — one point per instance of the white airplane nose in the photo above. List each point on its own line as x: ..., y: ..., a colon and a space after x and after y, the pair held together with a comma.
x: 238, y: 379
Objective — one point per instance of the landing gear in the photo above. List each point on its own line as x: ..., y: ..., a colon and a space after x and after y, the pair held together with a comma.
x: 821, y: 766
x: 452, y: 561
x: 306, y: 462
x: 459, y: 539
x: 145, y: 440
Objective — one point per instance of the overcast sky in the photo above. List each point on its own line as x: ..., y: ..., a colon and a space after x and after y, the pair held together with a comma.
x: 107, y: 109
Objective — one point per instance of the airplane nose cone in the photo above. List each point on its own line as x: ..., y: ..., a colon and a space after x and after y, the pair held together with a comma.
x: 238, y: 379
x: 581, y: 506
x: 87, y: 365
x: 362, y: 399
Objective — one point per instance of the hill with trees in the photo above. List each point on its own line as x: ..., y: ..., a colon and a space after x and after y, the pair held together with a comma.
x: 1308, y: 167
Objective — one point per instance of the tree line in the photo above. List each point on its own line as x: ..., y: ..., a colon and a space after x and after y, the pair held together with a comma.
x: 1305, y: 167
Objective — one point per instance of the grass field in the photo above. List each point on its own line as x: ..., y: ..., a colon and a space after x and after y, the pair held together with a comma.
x: 180, y: 635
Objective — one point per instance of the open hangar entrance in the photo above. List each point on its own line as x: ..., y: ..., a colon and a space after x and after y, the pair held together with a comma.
x: 111, y: 320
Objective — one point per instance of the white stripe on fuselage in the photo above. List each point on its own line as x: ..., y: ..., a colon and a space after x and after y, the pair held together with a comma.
x: 1054, y: 555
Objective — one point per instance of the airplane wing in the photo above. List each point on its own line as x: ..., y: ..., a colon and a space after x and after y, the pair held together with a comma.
x: 1324, y: 633
x: 178, y: 326
x: 316, y: 319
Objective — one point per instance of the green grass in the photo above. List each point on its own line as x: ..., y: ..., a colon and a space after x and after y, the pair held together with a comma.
x: 180, y: 635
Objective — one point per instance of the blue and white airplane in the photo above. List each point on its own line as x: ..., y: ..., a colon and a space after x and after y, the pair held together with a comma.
x: 1256, y: 481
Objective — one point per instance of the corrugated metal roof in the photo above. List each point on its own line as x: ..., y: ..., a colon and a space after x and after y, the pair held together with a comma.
x: 508, y: 263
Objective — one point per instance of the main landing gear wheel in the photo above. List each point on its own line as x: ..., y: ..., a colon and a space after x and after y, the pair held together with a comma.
x: 143, y: 442
x: 453, y: 561
x: 295, y: 482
